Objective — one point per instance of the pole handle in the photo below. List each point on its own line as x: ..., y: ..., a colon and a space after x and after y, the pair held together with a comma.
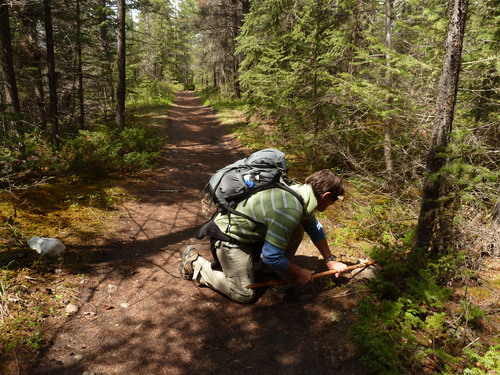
x: 315, y: 276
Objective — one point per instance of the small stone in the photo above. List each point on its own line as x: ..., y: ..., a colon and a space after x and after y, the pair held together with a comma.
x: 366, y: 273
x: 124, y: 304
x: 112, y: 288
x: 71, y: 308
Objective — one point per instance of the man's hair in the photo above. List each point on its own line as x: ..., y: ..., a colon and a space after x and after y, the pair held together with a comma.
x: 325, y: 181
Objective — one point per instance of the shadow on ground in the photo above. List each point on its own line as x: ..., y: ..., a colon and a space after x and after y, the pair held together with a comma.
x: 138, y: 316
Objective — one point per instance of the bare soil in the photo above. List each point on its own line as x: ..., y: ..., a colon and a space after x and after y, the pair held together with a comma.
x: 138, y: 316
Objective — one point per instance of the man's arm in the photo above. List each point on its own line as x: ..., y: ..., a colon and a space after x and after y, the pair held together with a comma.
x: 274, y: 257
x: 303, y: 275
x: 317, y: 234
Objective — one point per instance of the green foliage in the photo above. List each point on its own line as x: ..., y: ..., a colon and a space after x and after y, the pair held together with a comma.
x: 483, y: 364
x: 407, y: 323
x: 323, y: 69
x: 104, y: 151
x: 473, y: 168
x: 30, y: 156
x: 150, y: 91
x: 29, y: 153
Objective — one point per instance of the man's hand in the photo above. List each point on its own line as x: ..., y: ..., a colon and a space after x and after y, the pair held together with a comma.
x: 337, y: 266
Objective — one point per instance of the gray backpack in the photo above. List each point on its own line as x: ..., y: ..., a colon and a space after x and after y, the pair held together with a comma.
x: 232, y: 184
x: 264, y: 169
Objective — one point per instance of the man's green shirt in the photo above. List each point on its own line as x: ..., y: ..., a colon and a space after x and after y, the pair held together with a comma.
x: 280, y: 212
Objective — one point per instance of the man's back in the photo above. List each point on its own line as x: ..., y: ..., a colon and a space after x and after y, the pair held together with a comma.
x: 279, y: 212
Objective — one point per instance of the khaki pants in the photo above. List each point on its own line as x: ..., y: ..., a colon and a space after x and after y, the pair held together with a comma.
x: 237, y: 268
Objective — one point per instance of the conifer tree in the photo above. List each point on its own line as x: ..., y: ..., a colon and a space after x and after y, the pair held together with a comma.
x: 121, y: 63
x: 53, y: 98
x: 445, y: 109
x: 6, y: 57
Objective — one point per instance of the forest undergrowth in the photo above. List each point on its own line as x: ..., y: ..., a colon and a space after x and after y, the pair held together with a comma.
x: 442, y: 318
x: 70, y: 194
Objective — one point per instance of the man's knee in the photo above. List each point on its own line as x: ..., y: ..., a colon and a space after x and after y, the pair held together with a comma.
x: 246, y: 296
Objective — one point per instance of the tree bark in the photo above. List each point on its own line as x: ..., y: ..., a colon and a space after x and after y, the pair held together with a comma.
x: 32, y: 56
x: 11, y: 93
x: 53, y: 105
x: 120, y: 88
x: 445, y: 103
x: 389, y: 163
x: 107, y: 69
x: 79, y: 67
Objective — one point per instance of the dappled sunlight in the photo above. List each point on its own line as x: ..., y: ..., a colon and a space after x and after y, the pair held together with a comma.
x: 137, y: 315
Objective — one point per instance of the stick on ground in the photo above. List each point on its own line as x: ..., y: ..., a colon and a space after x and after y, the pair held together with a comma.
x: 315, y: 276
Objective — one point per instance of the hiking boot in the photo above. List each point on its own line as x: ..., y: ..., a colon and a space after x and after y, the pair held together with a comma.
x: 189, y: 256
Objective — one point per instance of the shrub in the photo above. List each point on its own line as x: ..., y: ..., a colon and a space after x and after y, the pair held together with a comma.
x: 407, y: 326
x: 27, y: 153
x: 105, y: 151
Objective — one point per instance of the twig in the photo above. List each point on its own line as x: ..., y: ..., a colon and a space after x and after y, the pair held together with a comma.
x: 170, y: 190
x: 97, y: 217
x: 472, y: 342
x: 340, y: 295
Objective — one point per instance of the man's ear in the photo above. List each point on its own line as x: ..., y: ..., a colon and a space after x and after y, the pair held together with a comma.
x: 326, y: 195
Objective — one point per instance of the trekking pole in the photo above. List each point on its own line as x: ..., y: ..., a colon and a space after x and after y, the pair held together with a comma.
x: 315, y: 276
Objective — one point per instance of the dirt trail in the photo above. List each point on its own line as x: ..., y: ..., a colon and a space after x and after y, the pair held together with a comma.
x: 138, y: 316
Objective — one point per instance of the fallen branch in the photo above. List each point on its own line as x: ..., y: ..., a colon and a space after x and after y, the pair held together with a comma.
x: 315, y: 276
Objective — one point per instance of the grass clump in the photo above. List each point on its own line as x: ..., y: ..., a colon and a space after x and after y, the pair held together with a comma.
x: 106, y: 151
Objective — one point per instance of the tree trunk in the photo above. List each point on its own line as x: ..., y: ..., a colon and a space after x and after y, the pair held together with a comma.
x: 495, y: 226
x: 11, y: 93
x: 120, y: 87
x: 32, y: 57
x: 436, y: 159
x: 389, y: 163
x: 107, y: 70
x: 79, y: 68
x: 49, y: 39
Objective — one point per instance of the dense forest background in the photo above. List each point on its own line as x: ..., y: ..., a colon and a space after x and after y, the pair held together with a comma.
x: 398, y: 95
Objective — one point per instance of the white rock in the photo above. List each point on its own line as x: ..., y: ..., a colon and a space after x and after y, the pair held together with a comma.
x: 366, y: 273
x: 71, y: 308
x: 46, y: 246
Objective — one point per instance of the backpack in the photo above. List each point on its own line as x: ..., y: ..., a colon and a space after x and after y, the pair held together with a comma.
x: 264, y: 169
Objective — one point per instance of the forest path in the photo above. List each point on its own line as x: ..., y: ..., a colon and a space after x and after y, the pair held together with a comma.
x: 138, y: 316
